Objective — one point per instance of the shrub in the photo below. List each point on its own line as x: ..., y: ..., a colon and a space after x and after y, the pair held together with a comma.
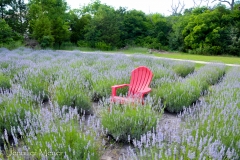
x: 181, y: 95
x: 102, y: 82
x: 82, y: 43
x: 183, y: 69
x: 4, y: 82
x: 102, y: 88
x: 39, y: 80
x: 162, y: 75
x: 103, y: 46
x: 38, y: 85
x: 12, y: 45
x: 70, y: 92
x: 46, y: 41
x: 64, y: 142
x: 8, y: 38
x: 210, y: 130
x: 14, y: 108
x: 184, y: 93
x: 125, y: 122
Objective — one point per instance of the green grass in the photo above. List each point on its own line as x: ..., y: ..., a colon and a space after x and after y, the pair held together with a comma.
x: 176, y: 55
x: 133, y: 50
x: 136, y: 50
x: 223, y: 59
x: 198, y: 65
x: 87, y: 49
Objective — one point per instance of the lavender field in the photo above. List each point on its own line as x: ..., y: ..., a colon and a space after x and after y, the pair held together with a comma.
x: 55, y: 105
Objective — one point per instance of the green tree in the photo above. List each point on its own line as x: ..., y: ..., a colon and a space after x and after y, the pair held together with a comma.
x: 234, y: 48
x: 14, y: 13
x: 3, y: 7
x: 92, y: 8
x: 16, y: 16
x: 103, y: 30
x: 176, y: 38
x: 77, y: 25
x: 7, y: 35
x: 53, y: 11
x: 42, y: 32
x: 158, y: 30
x: 208, y: 32
x: 135, y: 27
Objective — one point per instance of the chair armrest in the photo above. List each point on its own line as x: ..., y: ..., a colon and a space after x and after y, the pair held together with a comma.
x: 115, y: 87
x: 144, y: 91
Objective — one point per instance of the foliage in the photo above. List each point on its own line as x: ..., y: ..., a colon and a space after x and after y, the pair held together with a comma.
x: 14, y: 12
x: 4, y: 82
x: 48, y: 22
x: 7, y: 36
x: 39, y: 82
x: 77, y: 25
x: 14, y: 109
x: 182, y: 69
x: 199, y: 30
x: 65, y: 141
x: 206, y: 130
x: 158, y: 29
x: 125, y: 122
x: 134, y: 27
x: 206, y: 37
x: 176, y: 38
x: 182, y: 94
x: 42, y: 32
x: 210, y: 129
x: 70, y: 92
x: 102, y: 31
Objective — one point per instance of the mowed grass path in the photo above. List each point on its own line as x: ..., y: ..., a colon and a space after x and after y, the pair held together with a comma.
x: 222, y: 59
x: 218, y: 59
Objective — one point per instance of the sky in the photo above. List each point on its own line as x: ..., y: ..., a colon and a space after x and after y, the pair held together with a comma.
x: 147, y: 6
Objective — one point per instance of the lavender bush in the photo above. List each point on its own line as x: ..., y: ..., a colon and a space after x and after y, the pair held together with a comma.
x: 56, y: 134
x: 126, y: 122
x: 187, y: 91
x: 183, y: 69
x: 209, y: 130
x: 14, y: 109
x: 4, y: 82
x: 65, y: 141
x: 70, y: 91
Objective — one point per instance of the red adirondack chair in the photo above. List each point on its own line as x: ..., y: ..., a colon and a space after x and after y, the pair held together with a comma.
x: 139, y: 86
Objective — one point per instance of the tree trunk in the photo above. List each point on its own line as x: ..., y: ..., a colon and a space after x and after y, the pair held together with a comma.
x: 232, y: 5
x: 2, y: 10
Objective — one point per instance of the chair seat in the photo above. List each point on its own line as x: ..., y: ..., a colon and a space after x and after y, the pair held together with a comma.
x: 122, y: 100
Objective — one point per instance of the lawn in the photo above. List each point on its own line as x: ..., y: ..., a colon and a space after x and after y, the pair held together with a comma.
x: 174, y: 55
x: 221, y: 59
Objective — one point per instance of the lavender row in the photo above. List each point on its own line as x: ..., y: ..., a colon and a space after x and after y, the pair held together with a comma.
x: 209, y: 130
x: 178, y: 95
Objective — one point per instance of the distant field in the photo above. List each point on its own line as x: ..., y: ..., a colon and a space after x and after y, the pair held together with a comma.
x: 222, y: 59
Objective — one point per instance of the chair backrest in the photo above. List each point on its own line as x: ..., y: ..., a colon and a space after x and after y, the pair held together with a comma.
x: 140, y: 79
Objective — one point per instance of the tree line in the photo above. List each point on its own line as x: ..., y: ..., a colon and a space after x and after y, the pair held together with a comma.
x: 198, y: 30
